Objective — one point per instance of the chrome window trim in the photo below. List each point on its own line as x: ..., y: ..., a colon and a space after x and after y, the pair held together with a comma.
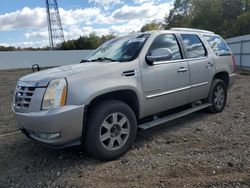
x: 168, y: 62
x: 198, y: 58
x: 176, y: 90
x: 180, y: 60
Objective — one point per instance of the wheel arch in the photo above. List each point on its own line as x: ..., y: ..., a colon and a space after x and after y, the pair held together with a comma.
x: 224, y: 76
x: 127, y: 96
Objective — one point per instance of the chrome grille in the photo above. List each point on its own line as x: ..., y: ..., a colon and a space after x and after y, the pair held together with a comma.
x: 23, y: 96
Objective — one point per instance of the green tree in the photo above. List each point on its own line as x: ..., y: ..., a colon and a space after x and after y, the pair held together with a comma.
x: 243, y: 23
x: 179, y: 15
x: 228, y: 18
x: 151, y: 26
x: 91, y: 41
x: 3, y: 48
x: 207, y: 14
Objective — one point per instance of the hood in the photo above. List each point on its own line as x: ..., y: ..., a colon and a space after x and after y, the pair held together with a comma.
x: 42, y: 78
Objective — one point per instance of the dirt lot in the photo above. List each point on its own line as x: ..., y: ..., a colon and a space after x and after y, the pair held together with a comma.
x: 200, y: 150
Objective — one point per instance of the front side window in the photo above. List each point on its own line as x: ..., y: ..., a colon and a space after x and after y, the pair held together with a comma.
x: 218, y: 45
x: 167, y: 41
x: 120, y: 49
x: 193, y: 46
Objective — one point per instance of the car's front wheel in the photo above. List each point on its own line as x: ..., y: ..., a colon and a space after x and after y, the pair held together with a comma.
x: 111, y: 130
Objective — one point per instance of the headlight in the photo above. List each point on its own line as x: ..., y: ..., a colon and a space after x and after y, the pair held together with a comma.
x: 55, y: 94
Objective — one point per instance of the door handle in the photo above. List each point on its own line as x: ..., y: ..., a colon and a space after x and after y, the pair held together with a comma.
x: 209, y: 65
x: 182, y: 69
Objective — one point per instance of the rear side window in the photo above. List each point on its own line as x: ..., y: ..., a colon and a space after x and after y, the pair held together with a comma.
x: 218, y: 45
x: 193, y: 45
x: 167, y: 41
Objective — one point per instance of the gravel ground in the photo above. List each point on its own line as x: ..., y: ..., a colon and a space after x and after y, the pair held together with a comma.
x: 200, y: 150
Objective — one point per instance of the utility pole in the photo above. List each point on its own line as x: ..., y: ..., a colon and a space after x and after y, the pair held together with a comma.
x: 55, y: 29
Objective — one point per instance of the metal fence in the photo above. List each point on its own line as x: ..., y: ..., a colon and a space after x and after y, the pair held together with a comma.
x: 25, y: 59
x: 241, y: 49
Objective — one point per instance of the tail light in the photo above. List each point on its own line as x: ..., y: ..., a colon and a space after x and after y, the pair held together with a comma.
x: 234, y: 64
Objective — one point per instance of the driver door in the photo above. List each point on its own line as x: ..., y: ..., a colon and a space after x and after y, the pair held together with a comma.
x: 166, y: 83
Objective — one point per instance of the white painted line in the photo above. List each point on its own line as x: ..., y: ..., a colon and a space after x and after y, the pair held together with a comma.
x: 9, y: 134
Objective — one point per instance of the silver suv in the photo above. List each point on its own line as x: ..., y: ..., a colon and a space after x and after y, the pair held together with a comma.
x: 137, y: 81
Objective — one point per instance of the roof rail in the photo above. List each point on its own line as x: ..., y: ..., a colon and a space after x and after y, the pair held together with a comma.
x: 191, y: 30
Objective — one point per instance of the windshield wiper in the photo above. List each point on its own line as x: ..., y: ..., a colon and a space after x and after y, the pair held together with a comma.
x: 84, y: 61
x: 103, y: 59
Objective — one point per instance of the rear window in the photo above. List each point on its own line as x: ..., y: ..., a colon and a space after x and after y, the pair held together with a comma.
x: 218, y: 45
x: 193, y: 45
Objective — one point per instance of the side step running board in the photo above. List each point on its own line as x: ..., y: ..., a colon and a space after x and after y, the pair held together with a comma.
x: 171, y: 117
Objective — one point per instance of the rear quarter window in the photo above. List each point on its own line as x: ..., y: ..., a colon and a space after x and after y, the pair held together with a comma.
x: 218, y: 45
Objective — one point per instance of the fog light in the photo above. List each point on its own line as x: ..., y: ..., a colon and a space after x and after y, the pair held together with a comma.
x: 49, y: 136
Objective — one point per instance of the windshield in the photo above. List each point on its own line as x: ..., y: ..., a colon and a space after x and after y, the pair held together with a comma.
x: 120, y: 49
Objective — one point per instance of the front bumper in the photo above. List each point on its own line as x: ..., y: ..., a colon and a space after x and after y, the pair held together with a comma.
x: 67, y: 120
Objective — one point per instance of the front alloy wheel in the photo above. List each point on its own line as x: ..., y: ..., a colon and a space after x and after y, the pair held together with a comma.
x: 111, y: 129
x: 114, y: 131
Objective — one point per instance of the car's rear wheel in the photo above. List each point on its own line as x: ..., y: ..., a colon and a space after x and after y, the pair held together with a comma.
x: 111, y: 130
x: 217, y: 96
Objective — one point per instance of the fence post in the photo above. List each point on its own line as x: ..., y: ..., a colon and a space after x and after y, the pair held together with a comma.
x: 241, y: 53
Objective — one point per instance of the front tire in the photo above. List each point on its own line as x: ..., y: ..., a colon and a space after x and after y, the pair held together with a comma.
x: 111, y: 130
x: 217, y: 96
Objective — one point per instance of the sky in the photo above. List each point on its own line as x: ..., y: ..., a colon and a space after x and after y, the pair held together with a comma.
x: 23, y: 23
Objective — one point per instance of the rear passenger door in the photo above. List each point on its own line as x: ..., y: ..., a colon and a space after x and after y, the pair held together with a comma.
x: 201, y: 66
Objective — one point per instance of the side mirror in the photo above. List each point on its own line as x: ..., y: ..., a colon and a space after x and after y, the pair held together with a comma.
x: 159, y: 54
x: 35, y: 68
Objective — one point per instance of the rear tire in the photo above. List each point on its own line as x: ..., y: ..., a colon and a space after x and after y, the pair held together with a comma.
x: 110, y: 131
x: 217, y: 96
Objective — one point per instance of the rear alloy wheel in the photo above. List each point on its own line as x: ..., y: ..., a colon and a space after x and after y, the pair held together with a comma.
x: 217, y: 96
x: 110, y: 131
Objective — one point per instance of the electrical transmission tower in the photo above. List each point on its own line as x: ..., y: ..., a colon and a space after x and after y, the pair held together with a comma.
x: 55, y: 29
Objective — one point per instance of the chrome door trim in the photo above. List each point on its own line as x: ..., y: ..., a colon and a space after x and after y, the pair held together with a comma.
x: 175, y: 90
x: 168, y: 92
x: 199, y: 84
x: 232, y: 75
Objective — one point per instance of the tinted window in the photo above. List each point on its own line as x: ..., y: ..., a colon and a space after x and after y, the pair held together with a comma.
x: 218, y: 45
x: 193, y: 45
x: 167, y: 41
